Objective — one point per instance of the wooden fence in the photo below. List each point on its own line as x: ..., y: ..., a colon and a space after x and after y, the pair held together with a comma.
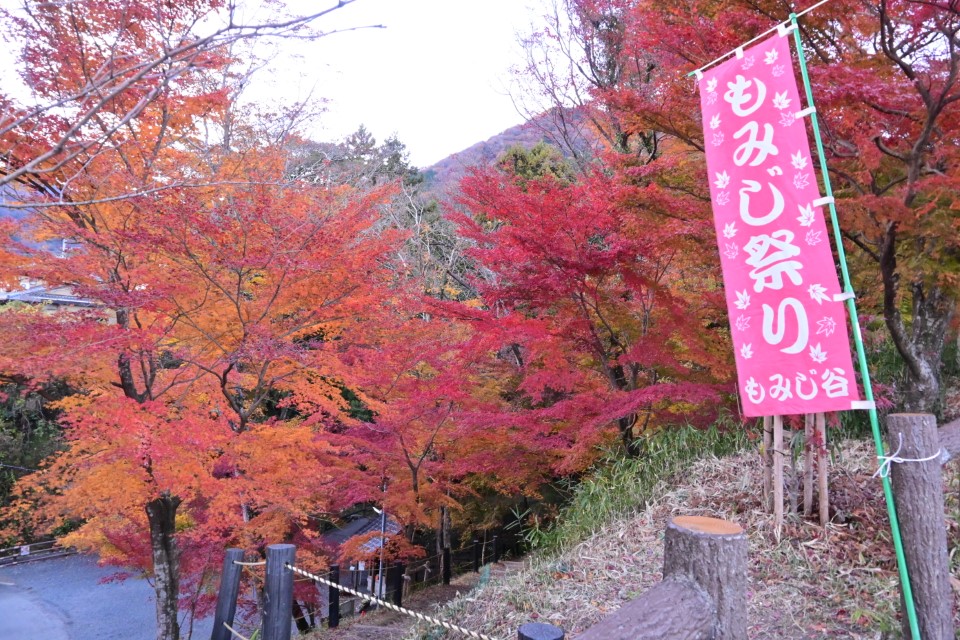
x: 702, y: 595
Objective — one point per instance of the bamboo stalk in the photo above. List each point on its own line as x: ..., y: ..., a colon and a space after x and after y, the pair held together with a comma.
x: 778, y: 475
x: 809, y: 452
x: 767, y: 459
x: 823, y: 461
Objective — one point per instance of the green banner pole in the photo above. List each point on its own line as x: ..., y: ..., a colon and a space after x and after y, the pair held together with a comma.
x: 858, y: 341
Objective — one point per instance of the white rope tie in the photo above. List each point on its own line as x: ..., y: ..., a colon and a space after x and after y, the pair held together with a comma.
x: 885, y: 461
x: 390, y: 605
x: 250, y: 564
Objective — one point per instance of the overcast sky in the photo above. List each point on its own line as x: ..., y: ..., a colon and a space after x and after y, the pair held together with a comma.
x: 437, y: 75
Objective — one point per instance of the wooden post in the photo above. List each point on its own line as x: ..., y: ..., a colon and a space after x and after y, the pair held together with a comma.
x: 810, y: 450
x: 918, y: 494
x: 278, y: 596
x: 398, y: 569
x: 823, y: 463
x: 227, y: 595
x: 767, y: 458
x: 496, y: 549
x: 333, y: 611
x: 713, y: 553
x: 539, y: 631
x: 447, y: 569
x: 477, y: 550
x: 778, y: 475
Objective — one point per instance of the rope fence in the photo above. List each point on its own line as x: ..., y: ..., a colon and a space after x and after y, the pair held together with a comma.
x: 389, y: 605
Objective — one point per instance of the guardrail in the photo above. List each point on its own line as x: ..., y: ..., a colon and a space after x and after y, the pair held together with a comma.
x: 44, y: 550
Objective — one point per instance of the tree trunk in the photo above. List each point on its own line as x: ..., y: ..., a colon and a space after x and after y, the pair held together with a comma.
x: 920, y: 343
x: 161, y: 514
x: 918, y: 493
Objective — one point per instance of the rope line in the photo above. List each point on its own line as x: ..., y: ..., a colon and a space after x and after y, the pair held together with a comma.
x: 249, y: 564
x: 886, y: 461
x: 390, y: 605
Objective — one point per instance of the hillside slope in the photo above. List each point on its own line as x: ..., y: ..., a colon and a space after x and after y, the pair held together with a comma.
x: 837, y: 583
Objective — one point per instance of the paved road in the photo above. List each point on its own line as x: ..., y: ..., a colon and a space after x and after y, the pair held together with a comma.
x: 64, y: 599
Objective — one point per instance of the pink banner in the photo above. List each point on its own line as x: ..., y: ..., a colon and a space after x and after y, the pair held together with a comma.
x: 787, y: 317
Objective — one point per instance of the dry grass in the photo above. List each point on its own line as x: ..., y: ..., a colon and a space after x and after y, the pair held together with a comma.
x: 814, y: 583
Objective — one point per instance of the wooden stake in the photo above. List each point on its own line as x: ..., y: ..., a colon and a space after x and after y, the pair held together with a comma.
x: 809, y: 452
x: 823, y: 461
x: 778, y: 475
x: 767, y: 459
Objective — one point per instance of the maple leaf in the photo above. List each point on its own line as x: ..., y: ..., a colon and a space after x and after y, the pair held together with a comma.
x: 801, y: 180
x: 746, y: 351
x: 778, y: 70
x: 818, y: 293
x: 730, y: 230
x: 743, y: 300
x: 743, y: 322
x: 723, y: 198
x: 798, y: 160
x: 747, y: 63
x: 731, y: 250
x: 711, y: 85
x: 817, y: 354
x: 770, y: 56
x: 787, y: 118
x: 781, y: 101
x: 711, y: 97
x: 807, y: 215
x: 813, y: 238
x: 717, y: 139
x: 723, y: 180
x: 826, y: 326
x: 715, y: 121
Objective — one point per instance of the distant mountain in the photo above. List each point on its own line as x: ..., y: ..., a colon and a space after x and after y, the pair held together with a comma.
x: 447, y: 172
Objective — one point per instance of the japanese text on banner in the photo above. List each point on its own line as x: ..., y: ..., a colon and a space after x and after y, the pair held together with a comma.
x: 783, y: 297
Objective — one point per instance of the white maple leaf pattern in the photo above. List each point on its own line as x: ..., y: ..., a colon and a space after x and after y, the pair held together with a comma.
x: 798, y: 160
x: 826, y: 326
x: 813, y: 238
x: 747, y: 63
x: 711, y: 97
x: 770, y: 56
x: 806, y: 215
x: 817, y: 354
x: 711, y: 85
x: 781, y: 101
x: 801, y: 180
x: 731, y: 250
x: 787, y: 118
x: 717, y: 139
x: 746, y: 351
x: 778, y: 70
x: 818, y: 293
x: 730, y: 230
x: 743, y: 300
x: 715, y: 122
x: 723, y: 198
x: 743, y: 322
x: 723, y: 179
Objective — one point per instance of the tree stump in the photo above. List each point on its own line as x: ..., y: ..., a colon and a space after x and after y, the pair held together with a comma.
x: 713, y: 553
